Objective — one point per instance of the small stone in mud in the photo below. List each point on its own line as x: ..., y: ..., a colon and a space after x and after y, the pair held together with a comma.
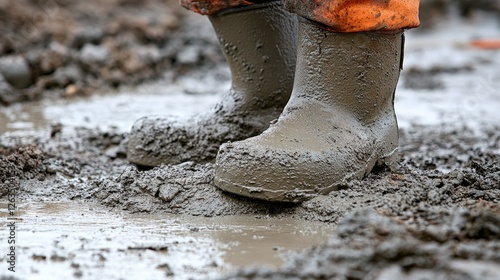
x: 99, y: 257
x: 68, y: 76
x: 16, y: 71
x: 87, y: 35
x: 189, y: 55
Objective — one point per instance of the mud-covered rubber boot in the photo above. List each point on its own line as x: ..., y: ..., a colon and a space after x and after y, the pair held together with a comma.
x: 338, y: 124
x: 259, y: 43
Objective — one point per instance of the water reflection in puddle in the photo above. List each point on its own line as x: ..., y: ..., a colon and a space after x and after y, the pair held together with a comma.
x: 61, y: 240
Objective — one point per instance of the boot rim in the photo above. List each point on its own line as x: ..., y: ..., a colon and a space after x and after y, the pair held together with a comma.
x: 257, y: 6
x: 320, y: 25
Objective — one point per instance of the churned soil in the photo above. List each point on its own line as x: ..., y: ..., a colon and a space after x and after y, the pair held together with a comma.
x: 436, y: 213
x: 433, y: 215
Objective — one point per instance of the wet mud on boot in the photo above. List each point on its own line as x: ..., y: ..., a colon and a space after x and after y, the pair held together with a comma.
x: 259, y: 43
x: 338, y: 124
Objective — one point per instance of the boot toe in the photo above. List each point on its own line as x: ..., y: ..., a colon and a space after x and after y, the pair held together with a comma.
x: 248, y: 169
x: 284, y: 172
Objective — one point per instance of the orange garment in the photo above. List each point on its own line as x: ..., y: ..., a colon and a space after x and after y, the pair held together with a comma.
x: 337, y: 15
x: 359, y: 15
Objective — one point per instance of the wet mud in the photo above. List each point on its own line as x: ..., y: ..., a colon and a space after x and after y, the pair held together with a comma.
x: 87, y: 212
x: 445, y: 167
x: 436, y: 214
x: 81, y: 240
x: 368, y: 245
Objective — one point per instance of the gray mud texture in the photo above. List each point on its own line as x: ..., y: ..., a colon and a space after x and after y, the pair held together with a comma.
x: 91, y: 166
x: 412, y: 221
x: 369, y: 245
x: 434, y: 215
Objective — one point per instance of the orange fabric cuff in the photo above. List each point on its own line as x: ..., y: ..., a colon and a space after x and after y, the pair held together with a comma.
x: 358, y: 15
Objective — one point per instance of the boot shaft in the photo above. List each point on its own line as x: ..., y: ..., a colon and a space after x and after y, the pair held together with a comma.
x: 259, y: 43
x: 353, y: 72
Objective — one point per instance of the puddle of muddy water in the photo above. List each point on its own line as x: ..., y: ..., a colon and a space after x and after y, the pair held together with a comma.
x: 68, y: 239
x: 192, y: 93
x: 110, y: 110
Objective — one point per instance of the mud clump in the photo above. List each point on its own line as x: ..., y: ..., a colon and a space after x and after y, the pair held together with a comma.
x: 180, y: 189
x: 17, y: 164
x: 22, y: 162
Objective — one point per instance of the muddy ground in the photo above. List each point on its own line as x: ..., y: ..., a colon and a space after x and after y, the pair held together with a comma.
x: 84, y: 212
x: 64, y: 48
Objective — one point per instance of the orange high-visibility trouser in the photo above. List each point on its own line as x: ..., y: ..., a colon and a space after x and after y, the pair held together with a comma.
x: 336, y: 15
